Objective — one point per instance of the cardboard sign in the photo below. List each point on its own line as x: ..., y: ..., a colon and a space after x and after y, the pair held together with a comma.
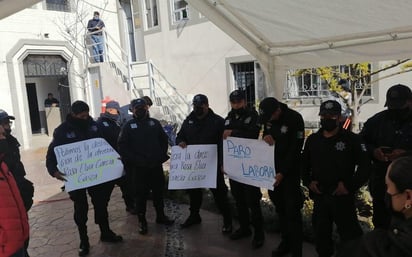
x: 193, y: 167
x: 249, y: 161
x: 88, y: 163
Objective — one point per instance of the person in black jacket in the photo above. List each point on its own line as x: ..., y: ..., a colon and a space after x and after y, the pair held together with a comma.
x: 388, y: 134
x: 396, y: 240
x: 243, y: 122
x: 109, y: 125
x: 335, y: 165
x: 143, y: 148
x: 16, y: 167
x: 203, y: 126
x: 80, y: 126
x: 284, y: 128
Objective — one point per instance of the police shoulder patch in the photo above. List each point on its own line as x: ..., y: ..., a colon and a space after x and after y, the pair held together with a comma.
x: 247, y: 120
x: 227, y: 122
x: 363, y: 147
x: 190, y: 121
x: 105, y: 123
x: 133, y: 125
x: 300, y: 134
x: 151, y: 123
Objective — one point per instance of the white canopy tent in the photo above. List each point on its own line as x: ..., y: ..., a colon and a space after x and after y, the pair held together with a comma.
x: 284, y: 34
x: 9, y: 7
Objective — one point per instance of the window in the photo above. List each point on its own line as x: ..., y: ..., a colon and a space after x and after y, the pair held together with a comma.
x: 151, y: 12
x: 180, y: 10
x: 58, y: 5
x: 309, y: 83
x: 244, y: 75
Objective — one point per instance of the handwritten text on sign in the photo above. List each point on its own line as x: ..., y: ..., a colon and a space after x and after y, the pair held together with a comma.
x: 249, y: 161
x: 193, y: 167
x: 88, y: 163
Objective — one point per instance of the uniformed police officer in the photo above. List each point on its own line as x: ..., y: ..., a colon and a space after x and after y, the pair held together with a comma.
x: 335, y: 165
x: 109, y: 125
x: 388, y: 134
x: 243, y: 122
x: 203, y: 126
x: 284, y: 128
x: 80, y: 126
x: 143, y: 148
x: 15, y: 165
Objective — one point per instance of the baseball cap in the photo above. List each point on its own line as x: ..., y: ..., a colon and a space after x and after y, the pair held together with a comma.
x: 113, y: 105
x: 266, y: 108
x: 148, y: 100
x: 79, y: 107
x: 397, y: 96
x: 139, y: 102
x: 237, y: 95
x: 199, y: 100
x: 330, y: 107
x: 4, y: 115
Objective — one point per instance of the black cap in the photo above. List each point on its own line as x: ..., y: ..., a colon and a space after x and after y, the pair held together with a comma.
x: 397, y: 96
x: 330, y: 107
x: 139, y: 102
x: 267, y: 107
x: 237, y: 95
x: 199, y: 100
x: 79, y: 107
x: 113, y: 105
x: 148, y: 100
x: 5, y: 116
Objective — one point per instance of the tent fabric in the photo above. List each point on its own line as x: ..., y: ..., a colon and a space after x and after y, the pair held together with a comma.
x: 301, y: 33
x: 9, y: 7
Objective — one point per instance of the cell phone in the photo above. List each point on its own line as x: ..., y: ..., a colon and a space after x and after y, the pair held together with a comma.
x: 386, y: 149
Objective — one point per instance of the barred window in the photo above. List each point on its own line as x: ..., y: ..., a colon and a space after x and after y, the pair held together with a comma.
x: 58, y: 5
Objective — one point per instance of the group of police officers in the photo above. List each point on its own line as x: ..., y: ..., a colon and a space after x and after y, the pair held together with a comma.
x: 333, y: 163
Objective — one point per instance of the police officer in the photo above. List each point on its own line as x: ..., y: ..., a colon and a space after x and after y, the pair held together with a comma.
x: 80, y: 126
x: 388, y: 134
x: 109, y: 125
x: 335, y: 165
x: 243, y: 122
x: 15, y: 165
x: 203, y: 126
x: 143, y: 148
x: 284, y: 128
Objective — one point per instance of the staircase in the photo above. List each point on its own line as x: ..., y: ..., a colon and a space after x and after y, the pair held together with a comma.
x: 138, y: 79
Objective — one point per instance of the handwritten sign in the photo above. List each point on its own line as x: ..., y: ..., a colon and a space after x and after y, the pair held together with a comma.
x: 88, y: 163
x: 193, y: 167
x: 249, y: 161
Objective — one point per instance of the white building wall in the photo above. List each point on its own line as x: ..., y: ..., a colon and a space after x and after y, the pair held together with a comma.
x: 193, y: 58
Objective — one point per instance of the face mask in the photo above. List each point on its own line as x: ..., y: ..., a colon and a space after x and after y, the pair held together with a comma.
x: 198, y: 110
x: 329, y: 124
x: 140, y: 114
x: 397, y: 114
x: 81, y: 123
x: 239, y: 111
x: 4, y: 146
x: 114, y: 117
x: 96, y: 17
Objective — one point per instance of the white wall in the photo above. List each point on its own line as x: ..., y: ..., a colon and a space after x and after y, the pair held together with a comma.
x: 194, y: 58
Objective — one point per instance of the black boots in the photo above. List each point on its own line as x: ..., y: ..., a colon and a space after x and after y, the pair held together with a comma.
x: 142, y: 224
x: 193, y: 219
x: 84, y: 241
x: 107, y: 235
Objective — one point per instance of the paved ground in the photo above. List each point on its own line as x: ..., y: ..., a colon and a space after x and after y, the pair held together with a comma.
x: 54, y: 234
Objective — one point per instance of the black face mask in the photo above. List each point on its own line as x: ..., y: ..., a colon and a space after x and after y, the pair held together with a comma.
x: 239, y: 111
x: 329, y: 124
x: 114, y: 117
x: 398, y: 114
x: 140, y: 114
x: 198, y: 110
x: 81, y: 123
x: 4, y: 146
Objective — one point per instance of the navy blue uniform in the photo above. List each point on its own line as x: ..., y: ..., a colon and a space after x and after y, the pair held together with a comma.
x: 110, y: 129
x: 340, y: 158
x: 244, y: 124
x: 207, y: 130
x: 384, y: 130
x: 288, y: 134
x: 143, y: 147
x: 68, y: 133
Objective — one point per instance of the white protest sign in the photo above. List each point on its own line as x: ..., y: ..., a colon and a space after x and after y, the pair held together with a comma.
x: 249, y: 161
x: 87, y: 163
x: 193, y: 167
